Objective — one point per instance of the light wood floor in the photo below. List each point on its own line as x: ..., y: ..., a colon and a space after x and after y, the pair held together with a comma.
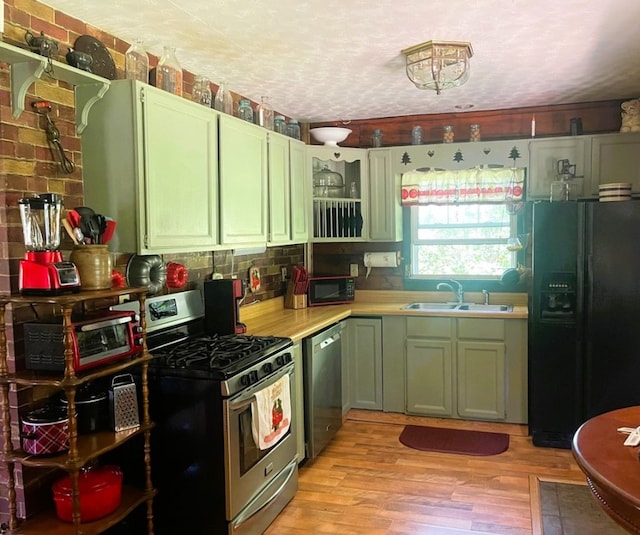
x: 367, y: 482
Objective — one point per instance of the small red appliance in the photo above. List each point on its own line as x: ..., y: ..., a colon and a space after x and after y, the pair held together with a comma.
x: 222, y: 298
x: 42, y: 270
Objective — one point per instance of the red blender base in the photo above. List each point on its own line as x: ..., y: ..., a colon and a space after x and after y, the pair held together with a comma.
x: 45, y: 273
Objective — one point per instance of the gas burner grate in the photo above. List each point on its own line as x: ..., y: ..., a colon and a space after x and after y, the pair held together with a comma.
x: 218, y: 352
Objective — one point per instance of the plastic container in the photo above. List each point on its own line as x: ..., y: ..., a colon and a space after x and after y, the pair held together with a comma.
x: 100, y: 492
x: 245, y: 111
x: 447, y: 134
x: 137, y: 62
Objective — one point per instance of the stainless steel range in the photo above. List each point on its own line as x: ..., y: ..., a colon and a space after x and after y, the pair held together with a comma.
x: 211, y: 475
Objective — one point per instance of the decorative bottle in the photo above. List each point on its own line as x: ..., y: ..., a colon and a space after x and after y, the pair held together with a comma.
x: 201, y: 91
x: 137, y: 62
x: 169, y: 72
x: 265, y: 113
x: 416, y: 135
x: 279, y: 125
x: 245, y: 111
x: 223, y: 101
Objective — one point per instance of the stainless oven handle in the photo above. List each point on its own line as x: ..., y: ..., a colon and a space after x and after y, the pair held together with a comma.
x: 243, y: 517
x: 104, y: 323
x: 244, y: 401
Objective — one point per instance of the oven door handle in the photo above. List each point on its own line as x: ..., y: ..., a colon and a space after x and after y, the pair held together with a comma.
x: 245, y: 400
x: 247, y: 514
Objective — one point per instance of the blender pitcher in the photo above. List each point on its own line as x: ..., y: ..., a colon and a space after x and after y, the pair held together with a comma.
x: 42, y: 271
x: 40, y: 217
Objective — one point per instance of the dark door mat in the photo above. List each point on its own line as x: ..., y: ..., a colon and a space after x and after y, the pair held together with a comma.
x: 454, y: 440
x: 568, y: 509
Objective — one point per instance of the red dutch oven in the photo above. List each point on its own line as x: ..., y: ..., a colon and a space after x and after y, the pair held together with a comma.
x: 45, y: 431
x: 100, y: 490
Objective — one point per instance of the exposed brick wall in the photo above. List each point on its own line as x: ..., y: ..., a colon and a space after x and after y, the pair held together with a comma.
x: 27, y: 166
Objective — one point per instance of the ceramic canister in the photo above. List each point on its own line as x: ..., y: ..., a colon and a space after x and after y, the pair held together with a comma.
x: 94, y: 266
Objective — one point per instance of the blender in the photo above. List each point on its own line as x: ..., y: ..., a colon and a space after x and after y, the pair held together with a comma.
x: 42, y: 271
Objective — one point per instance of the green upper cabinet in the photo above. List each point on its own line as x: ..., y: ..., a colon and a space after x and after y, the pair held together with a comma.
x: 385, y: 211
x: 243, y: 183
x: 287, y: 194
x: 299, y: 191
x: 279, y: 190
x: 545, y: 155
x: 150, y: 161
x: 615, y: 158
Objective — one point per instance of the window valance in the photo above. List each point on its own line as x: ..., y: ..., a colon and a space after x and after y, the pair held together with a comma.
x: 466, y: 186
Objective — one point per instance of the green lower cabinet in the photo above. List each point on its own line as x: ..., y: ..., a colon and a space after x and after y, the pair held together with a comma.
x: 365, y: 362
x: 480, y: 380
x: 429, y: 377
x: 466, y: 368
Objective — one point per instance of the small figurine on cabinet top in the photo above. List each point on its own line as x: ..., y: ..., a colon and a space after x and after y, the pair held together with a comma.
x: 630, y: 116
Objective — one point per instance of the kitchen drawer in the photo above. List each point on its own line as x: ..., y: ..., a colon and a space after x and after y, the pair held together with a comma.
x: 431, y: 327
x: 480, y: 329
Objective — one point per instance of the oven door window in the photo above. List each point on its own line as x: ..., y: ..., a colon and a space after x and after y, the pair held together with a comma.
x: 250, y: 454
x: 106, y: 341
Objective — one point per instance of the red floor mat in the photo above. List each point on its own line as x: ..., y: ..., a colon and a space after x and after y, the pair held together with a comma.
x: 454, y: 440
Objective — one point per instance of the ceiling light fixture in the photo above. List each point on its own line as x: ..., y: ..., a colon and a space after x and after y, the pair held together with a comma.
x: 438, y: 65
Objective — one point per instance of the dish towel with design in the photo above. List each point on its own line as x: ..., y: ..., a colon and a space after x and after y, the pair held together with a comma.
x: 271, y: 413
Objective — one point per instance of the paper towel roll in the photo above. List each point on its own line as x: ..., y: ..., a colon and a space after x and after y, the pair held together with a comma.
x: 390, y: 259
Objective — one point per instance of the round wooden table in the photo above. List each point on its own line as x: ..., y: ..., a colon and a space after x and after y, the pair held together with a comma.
x: 612, y: 469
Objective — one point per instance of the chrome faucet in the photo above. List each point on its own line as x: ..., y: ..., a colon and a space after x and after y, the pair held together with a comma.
x: 459, y: 293
x: 486, y: 296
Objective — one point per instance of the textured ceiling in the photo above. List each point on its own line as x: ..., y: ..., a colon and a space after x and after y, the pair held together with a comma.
x: 337, y: 60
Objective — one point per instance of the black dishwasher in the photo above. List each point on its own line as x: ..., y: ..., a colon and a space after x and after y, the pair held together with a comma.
x: 322, y: 369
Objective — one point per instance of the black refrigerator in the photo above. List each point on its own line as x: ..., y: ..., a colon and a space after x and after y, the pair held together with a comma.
x: 584, y: 321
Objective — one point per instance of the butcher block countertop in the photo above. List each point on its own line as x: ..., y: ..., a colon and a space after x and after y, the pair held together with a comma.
x: 270, y: 318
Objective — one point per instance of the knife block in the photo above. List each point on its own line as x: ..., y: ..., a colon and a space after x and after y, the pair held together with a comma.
x: 292, y: 300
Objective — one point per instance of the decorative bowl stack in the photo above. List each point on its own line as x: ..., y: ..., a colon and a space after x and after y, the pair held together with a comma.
x: 615, y: 191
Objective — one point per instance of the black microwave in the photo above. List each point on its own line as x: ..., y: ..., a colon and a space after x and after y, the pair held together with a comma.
x: 331, y: 290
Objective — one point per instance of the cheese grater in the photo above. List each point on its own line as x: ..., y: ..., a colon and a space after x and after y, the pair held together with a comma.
x: 123, y: 398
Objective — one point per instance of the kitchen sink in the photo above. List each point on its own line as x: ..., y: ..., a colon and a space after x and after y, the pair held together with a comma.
x: 430, y: 306
x: 471, y: 307
x: 484, y: 308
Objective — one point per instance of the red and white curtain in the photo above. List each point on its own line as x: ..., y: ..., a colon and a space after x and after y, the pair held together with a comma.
x: 464, y: 186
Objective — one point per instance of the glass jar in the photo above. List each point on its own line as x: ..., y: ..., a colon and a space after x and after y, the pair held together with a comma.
x: 223, y: 101
x: 416, y: 135
x: 137, y: 62
x: 245, y: 111
x: 169, y: 72
x: 474, y: 132
x: 279, y: 125
x: 265, y: 113
x: 447, y: 134
x: 293, y: 129
x: 201, y: 91
x: 376, y: 140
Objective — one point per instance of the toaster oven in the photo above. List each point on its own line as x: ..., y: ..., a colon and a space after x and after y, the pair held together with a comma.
x: 97, y: 340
